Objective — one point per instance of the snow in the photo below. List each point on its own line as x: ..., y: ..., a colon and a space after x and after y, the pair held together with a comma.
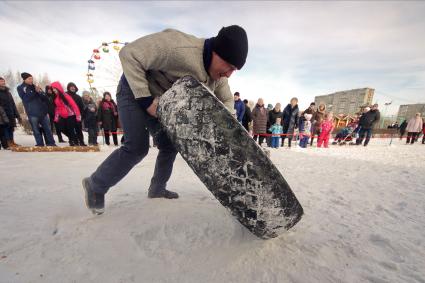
x: 364, y: 221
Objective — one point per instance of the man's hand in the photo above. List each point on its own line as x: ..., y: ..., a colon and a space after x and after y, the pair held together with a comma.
x: 152, y: 108
x: 38, y: 88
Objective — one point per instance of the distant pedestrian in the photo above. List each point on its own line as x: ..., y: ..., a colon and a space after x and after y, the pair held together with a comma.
x: 290, y: 120
x: 247, y: 116
x: 72, y: 90
x: 326, y: 128
x: 90, y: 119
x: 259, y: 117
x: 366, y: 123
x: 67, y: 113
x: 239, y: 107
x: 316, y: 120
x: 305, y: 129
x: 35, y: 104
x: 9, y: 106
x: 414, y: 127
x: 276, y: 129
x: 107, y: 116
x: 4, y: 123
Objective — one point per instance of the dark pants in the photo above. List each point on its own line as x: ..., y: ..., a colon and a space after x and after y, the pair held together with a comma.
x: 55, y: 126
x: 269, y: 138
x: 275, y: 142
x: 314, y: 132
x: 68, y: 127
x: 59, y: 132
x: 114, y: 137
x: 260, y: 139
x: 411, y: 137
x: 304, y: 141
x: 289, y: 140
x: 92, y: 136
x: 8, y: 132
x: 288, y: 133
x: 79, y: 133
x: 362, y: 134
x: 136, y: 123
x: 246, y: 126
x: 3, y: 140
x: 44, y: 122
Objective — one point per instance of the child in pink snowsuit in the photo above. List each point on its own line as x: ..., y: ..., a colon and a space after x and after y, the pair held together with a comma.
x: 327, y: 127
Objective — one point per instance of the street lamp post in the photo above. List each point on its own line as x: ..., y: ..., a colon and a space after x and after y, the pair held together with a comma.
x: 385, y: 112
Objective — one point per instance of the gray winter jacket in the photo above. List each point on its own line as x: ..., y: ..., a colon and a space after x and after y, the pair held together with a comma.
x: 154, y: 62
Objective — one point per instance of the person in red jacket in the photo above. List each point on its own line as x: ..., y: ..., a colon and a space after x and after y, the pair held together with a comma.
x: 326, y: 128
x: 67, y: 113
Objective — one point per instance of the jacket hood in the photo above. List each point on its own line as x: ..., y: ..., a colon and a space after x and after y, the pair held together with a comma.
x: 47, y: 89
x: 58, y: 86
x: 69, y: 86
x: 324, y: 108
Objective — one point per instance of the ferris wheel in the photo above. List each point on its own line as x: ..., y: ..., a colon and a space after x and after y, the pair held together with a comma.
x: 104, y: 67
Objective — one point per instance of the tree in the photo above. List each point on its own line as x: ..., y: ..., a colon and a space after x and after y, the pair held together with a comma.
x: 12, y: 81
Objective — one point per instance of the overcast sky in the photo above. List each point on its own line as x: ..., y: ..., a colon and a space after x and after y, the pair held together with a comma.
x: 297, y: 49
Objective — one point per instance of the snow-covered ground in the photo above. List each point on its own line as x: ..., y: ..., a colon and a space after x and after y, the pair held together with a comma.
x: 364, y: 221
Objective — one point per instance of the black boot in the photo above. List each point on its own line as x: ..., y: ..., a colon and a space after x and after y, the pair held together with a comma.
x: 94, y: 201
x: 162, y: 194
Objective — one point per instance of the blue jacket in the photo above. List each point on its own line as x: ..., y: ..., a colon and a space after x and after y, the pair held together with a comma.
x: 35, y: 103
x: 276, y: 129
x: 240, y: 109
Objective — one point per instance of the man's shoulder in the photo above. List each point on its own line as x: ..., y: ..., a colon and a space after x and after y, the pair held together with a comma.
x: 179, y: 39
x: 171, y: 31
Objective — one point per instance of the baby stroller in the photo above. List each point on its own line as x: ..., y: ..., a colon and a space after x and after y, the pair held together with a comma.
x: 346, y: 134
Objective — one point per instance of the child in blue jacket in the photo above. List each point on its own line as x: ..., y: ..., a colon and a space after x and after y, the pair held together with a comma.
x: 276, y: 131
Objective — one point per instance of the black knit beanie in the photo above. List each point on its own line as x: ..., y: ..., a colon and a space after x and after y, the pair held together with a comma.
x: 231, y: 44
x: 25, y: 76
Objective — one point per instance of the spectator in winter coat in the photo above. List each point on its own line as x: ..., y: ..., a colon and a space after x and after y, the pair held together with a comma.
x: 316, y: 120
x: 239, y: 107
x: 290, y: 120
x: 51, y: 110
x: 259, y: 118
x: 275, y: 113
x: 72, y: 90
x: 35, y: 104
x: 423, y: 132
x: 67, y: 113
x: 9, y: 106
x: 414, y: 127
x: 276, y: 129
x: 402, y: 128
x: 305, y: 128
x: 4, y: 122
x: 151, y: 65
x: 326, y: 128
x: 247, y: 116
x: 311, y: 109
x: 90, y: 119
x: 366, y: 123
x: 107, y: 116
